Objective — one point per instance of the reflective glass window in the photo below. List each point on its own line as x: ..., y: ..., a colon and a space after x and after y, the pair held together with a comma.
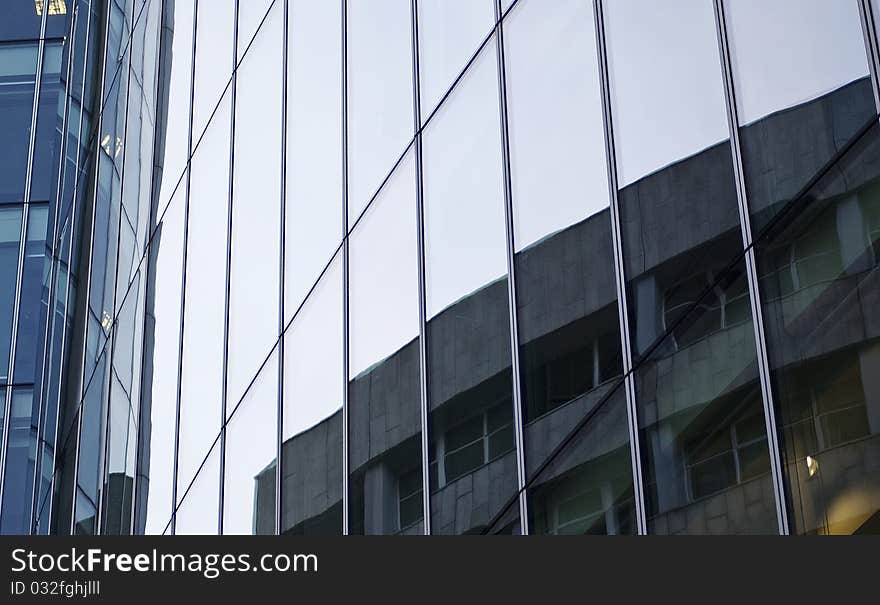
x: 10, y: 240
x: 380, y: 105
x: 818, y: 269
x: 254, y: 280
x: 251, y: 455
x: 383, y: 383
x: 201, y: 382
x: 18, y: 69
x: 802, y: 89
x: 449, y: 35
x: 311, y: 452
x: 566, y: 295
x: 313, y: 222
x: 468, y: 331
x: 696, y: 374
x: 159, y: 410
x: 176, y: 109
x: 198, y: 512
x: 214, y: 59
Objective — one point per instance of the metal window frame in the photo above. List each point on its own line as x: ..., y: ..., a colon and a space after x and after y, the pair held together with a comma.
x: 424, y: 409
x: 345, y: 274
x: 764, y: 375
x: 619, y: 272
x: 522, y: 493
x: 279, y: 427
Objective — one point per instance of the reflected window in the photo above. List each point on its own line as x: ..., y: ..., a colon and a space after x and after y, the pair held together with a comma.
x: 18, y: 68
x: 409, y: 497
x: 727, y: 456
x: 827, y: 411
x: 475, y: 442
x: 813, y: 258
x: 704, y: 307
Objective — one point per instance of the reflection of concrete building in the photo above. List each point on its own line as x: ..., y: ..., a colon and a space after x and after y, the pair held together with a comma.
x: 699, y: 387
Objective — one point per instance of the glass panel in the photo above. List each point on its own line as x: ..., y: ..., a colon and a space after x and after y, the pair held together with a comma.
x: 466, y: 277
x: 566, y: 296
x: 18, y: 482
x: 28, y: 345
x: 49, y: 122
x: 311, y: 471
x: 696, y: 372
x: 253, y: 302
x: 313, y: 227
x: 201, y: 383
x: 18, y: 69
x: 822, y: 338
x: 21, y: 20
x: 88, y: 471
x: 199, y: 511
x: 587, y: 487
x: 10, y: 239
x: 251, y: 454
x: 250, y: 19
x: 384, y: 402
x: 449, y: 34
x: 803, y: 90
x: 176, y: 110
x: 159, y: 409
x: 380, y: 104
x: 214, y: 39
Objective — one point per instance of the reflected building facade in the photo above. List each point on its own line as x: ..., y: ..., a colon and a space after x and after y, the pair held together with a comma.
x: 482, y: 267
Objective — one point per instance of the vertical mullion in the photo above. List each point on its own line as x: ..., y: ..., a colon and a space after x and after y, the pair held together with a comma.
x: 180, y: 333
x: 224, y: 389
x: 620, y: 277
x: 281, y: 267
x: 869, y: 33
x: 345, y: 360
x: 420, y: 256
x: 511, y: 276
x: 21, y: 250
x: 752, y: 274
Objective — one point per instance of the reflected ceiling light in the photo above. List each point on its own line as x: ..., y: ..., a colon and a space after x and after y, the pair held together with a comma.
x: 56, y: 7
x: 812, y: 465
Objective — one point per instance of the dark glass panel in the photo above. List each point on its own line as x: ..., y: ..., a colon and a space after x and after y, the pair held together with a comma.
x: 18, y: 69
x: 696, y: 374
x: 819, y: 280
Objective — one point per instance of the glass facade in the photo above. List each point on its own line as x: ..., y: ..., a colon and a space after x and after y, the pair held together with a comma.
x: 440, y: 267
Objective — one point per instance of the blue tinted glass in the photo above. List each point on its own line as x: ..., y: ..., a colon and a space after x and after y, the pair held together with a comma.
x: 18, y: 67
x: 49, y: 123
x: 21, y: 20
x: 28, y: 345
x: 20, y: 451
x: 10, y: 232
